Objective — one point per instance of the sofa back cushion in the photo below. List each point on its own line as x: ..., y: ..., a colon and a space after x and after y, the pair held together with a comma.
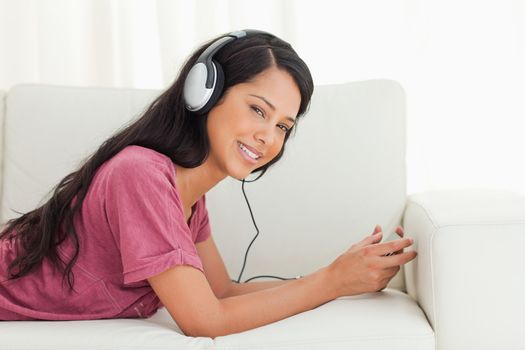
x: 342, y: 173
x: 2, y: 116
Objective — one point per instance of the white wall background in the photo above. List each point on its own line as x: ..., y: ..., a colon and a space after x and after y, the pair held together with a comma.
x: 460, y: 61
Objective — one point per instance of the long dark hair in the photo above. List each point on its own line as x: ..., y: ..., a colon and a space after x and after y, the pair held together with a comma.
x: 166, y: 127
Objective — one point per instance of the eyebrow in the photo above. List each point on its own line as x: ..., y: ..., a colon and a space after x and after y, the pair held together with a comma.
x: 272, y: 106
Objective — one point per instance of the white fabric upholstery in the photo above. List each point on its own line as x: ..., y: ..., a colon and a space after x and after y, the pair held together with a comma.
x: 468, y: 276
x: 48, y: 130
x: 367, y: 322
x: 328, y: 192
x: 342, y: 173
x: 2, y: 114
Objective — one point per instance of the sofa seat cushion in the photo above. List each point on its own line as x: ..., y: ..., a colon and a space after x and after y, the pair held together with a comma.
x: 384, y: 319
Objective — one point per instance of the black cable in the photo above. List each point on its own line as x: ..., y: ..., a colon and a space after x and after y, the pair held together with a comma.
x: 257, y: 234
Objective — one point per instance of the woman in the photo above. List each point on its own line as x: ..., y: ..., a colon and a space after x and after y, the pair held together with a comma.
x: 128, y: 232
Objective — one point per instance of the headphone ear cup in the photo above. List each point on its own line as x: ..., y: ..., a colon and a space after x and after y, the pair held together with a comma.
x: 217, y: 90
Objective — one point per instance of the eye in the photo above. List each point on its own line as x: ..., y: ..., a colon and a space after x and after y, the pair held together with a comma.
x: 257, y: 109
x: 284, y: 128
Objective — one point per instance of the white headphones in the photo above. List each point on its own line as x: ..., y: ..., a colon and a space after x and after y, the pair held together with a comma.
x: 205, y: 80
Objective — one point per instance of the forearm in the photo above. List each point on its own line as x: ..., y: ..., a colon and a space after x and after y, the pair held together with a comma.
x: 250, y: 287
x: 264, y: 306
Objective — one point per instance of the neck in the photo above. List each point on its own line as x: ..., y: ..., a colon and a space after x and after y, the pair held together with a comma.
x: 193, y: 183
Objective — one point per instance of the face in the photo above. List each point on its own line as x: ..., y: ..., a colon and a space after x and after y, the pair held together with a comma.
x: 247, y: 128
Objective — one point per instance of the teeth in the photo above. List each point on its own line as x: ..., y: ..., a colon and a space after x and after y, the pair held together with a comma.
x: 248, y: 152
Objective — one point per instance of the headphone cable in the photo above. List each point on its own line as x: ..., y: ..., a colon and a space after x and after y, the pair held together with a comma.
x: 249, y: 246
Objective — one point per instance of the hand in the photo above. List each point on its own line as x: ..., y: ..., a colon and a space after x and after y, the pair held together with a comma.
x: 363, y: 268
x: 400, y: 233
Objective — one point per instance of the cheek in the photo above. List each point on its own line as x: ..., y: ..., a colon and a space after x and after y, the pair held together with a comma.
x: 242, y: 123
x: 217, y: 134
x: 234, y: 121
x: 277, y: 146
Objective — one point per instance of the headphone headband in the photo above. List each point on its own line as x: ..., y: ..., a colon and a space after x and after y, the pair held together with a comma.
x: 205, y: 80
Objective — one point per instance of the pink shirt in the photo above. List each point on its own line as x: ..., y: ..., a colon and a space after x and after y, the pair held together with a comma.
x: 131, y: 227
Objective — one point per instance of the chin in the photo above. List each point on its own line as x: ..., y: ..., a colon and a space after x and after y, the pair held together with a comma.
x: 240, y: 172
x: 240, y: 175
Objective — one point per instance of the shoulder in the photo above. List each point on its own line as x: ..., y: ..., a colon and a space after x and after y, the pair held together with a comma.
x: 138, y: 161
x: 135, y: 167
x: 138, y: 155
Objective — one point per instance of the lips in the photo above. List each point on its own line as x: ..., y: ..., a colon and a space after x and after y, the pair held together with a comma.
x: 253, y: 150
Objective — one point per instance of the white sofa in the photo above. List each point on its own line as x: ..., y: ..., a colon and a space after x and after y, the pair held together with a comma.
x: 342, y: 173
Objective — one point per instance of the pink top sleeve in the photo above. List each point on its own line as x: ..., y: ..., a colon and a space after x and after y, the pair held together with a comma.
x: 147, y: 221
x: 131, y: 227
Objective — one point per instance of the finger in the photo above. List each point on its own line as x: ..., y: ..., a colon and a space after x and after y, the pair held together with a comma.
x: 370, y: 240
x: 377, y: 230
x: 399, y: 259
x: 401, y: 233
x: 392, y: 246
x: 394, y: 253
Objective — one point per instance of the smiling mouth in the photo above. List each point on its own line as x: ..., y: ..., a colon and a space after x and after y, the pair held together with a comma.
x: 247, y: 152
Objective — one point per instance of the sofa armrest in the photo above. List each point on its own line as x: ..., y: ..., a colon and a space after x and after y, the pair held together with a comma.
x: 468, y: 275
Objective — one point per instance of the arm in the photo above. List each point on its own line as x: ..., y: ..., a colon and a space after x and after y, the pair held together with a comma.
x: 199, y: 313
x: 275, y: 303
x: 250, y: 287
x: 194, y: 306
x: 218, y: 277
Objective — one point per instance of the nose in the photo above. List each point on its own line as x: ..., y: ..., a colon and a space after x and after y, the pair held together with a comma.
x: 265, y: 135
